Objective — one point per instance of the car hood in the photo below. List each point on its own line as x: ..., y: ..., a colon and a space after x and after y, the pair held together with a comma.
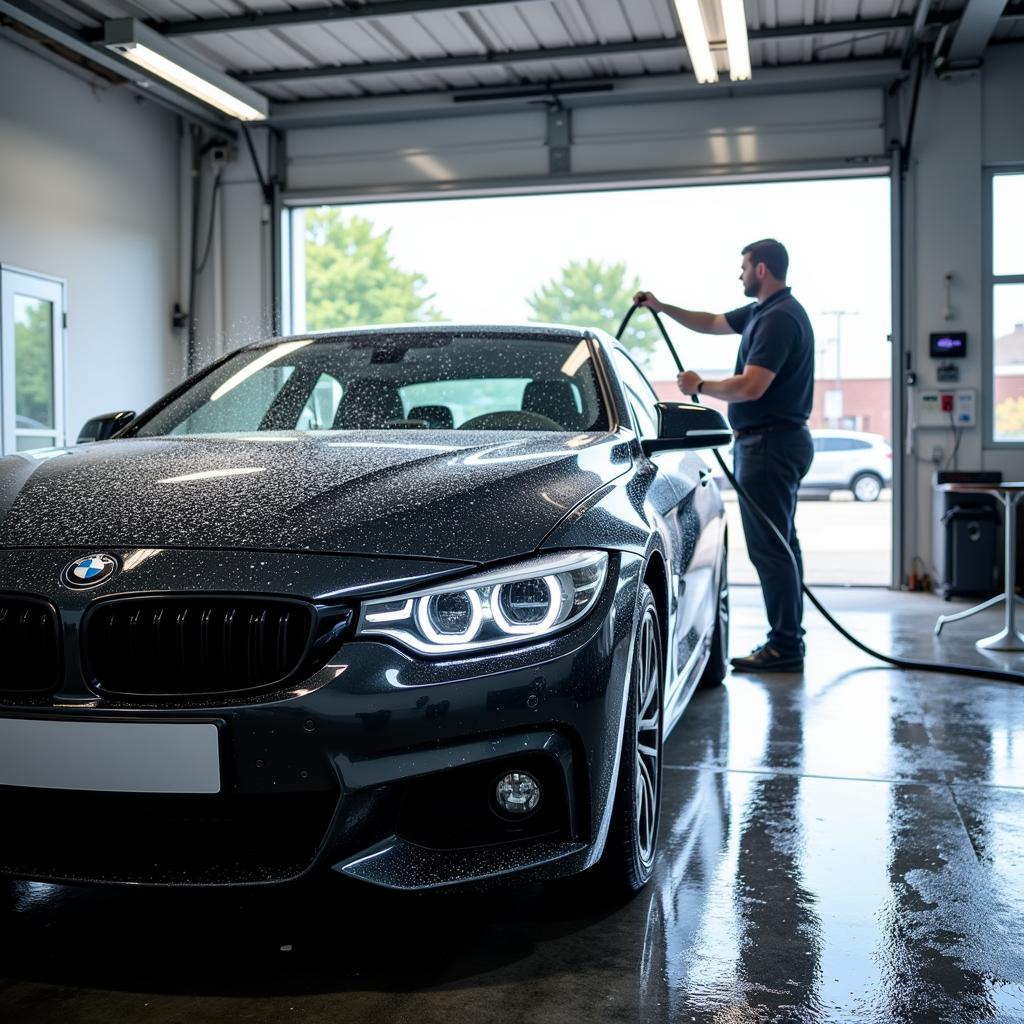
x: 476, y: 496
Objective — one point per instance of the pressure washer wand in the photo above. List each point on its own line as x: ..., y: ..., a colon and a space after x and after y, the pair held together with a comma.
x: 973, y: 671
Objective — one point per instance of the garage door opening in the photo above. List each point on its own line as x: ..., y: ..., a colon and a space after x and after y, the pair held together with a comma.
x: 579, y: 257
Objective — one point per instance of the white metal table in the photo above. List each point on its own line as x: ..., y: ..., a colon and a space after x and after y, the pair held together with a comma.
x: 1008, y: 638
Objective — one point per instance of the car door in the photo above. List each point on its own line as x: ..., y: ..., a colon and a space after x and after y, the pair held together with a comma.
x: 683, y: 497
x: 826, y: 467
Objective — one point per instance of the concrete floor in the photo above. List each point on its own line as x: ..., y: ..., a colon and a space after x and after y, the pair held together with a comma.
x: 843, y: 846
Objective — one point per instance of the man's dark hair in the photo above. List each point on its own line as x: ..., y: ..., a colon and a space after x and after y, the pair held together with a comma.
x: 771, y: 253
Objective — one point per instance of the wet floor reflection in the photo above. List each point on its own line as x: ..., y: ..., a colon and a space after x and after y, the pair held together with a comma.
x: 847, y: 846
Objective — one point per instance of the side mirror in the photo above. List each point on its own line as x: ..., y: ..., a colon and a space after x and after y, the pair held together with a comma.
x: 100, y: 428
x: 683, y: 425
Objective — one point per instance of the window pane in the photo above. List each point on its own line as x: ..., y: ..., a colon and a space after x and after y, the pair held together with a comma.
x: 374, y: 380
x: 640, y: 395
x: 1008, y: 224
x: 465, y: 399
x: 27, y: 444
x: 239, y: 407
x: 1008, y: 333
x: 322, y: 406
x: 33, y: 362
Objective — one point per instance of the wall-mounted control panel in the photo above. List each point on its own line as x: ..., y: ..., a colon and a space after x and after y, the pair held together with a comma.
x: 952, y: 408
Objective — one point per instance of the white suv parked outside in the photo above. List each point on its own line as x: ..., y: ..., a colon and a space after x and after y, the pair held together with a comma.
x: 847, y: 460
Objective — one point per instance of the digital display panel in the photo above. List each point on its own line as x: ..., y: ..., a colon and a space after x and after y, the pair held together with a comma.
x: 948, y: 345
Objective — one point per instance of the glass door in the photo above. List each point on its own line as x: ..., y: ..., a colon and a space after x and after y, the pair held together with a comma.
x: 31, y: 361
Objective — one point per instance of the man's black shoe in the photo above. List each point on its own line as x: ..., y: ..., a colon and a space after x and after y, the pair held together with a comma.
x: 767, y: 659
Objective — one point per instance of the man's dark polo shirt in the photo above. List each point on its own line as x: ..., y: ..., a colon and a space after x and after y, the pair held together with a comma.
x: 777, y: 335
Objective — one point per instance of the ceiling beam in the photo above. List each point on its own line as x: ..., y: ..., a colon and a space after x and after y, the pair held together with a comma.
x: 977, y: 23
x: 317, y: 15
x: 627, y: 48
x: 796, y: 78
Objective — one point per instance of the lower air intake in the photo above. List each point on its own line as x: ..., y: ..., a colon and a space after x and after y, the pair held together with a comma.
x: 195, y: 646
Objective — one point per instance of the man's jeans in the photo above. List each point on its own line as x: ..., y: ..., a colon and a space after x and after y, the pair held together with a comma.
x: 770, y: 467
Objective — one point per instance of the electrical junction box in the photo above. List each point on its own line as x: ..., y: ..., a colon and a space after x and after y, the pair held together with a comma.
x: 952, y: 408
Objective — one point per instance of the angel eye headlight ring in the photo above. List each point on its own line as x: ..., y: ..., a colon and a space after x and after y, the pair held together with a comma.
x: 505, y: 623
x: 518, y: 603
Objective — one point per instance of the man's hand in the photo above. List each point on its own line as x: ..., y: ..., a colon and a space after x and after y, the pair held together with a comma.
x: 648, y: 299
x: 688, y: 381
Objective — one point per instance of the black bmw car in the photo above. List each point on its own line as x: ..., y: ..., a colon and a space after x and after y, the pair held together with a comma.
x: 417, y: 605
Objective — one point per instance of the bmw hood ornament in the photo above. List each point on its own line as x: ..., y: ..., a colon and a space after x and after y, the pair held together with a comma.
x: 90, y: 571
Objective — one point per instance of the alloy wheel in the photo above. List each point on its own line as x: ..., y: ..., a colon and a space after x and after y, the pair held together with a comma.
x: 867, y: 488
x: 648, y: 739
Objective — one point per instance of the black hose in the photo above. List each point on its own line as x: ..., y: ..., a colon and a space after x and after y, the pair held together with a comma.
x: 973, y: 671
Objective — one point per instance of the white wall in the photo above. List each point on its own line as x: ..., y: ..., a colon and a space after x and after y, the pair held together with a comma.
x: 89, y: 193
x: 965, y: 125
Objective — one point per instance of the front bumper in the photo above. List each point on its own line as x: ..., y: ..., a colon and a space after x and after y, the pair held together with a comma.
x: 379, y: 766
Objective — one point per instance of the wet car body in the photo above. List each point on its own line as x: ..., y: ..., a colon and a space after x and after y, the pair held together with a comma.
x: 368, y: 758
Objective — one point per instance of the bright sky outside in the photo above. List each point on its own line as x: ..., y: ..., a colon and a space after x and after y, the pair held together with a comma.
x: 484, y: 257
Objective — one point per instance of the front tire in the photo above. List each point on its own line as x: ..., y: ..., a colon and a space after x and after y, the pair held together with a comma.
x: 866, y: 487
x: 628, y: 860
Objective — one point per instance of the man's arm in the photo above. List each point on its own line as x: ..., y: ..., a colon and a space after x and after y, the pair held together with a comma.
x: 748, y: 386
x: 702, y: 323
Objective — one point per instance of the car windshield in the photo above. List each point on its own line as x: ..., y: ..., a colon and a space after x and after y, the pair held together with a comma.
x: 395, y: 381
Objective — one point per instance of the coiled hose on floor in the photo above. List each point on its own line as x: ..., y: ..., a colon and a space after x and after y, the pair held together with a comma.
x: 973, y: 671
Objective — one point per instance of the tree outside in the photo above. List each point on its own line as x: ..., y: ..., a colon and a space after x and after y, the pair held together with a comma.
x: 594, y: 294
x: 1010, y: 419
x: 351, y: 277
x: 33, y: 360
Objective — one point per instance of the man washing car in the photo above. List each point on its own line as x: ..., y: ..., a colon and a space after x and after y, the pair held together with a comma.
x: 770, y: 398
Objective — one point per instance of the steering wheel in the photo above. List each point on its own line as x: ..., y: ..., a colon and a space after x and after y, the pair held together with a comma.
x: 513, y: 419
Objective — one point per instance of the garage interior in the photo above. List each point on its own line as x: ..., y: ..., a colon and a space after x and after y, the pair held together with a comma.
x: 845, y: 844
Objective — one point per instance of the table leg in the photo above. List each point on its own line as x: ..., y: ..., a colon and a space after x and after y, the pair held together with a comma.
x: 1008, y: 639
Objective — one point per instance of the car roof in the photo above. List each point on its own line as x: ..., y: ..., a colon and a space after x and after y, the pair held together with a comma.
x: 532, y: 331
x: 855, y: 434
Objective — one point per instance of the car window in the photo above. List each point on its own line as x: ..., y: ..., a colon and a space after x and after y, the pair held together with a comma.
x: 395, y: 380
x: 466, y: 399
x: 840, y: 444
x: 241, y: 408
x: 322, y: 405
x: 639, y: 394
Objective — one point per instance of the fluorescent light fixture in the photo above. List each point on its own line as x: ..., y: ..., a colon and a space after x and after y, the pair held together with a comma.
x: 696, y: 36
x: 163, y: 59
x: 736, y: 42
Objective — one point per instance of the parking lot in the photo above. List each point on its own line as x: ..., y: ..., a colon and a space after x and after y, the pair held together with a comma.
x: 843, y: 541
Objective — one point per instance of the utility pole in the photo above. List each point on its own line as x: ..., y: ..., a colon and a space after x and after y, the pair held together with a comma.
x: 839, y: 314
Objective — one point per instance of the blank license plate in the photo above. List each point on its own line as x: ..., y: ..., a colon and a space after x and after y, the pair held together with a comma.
x: 111, y: 757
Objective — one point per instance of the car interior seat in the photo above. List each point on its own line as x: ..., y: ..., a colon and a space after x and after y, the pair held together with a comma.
x: 368, y: 404
x: 554, y: 399
x: 438, y: 417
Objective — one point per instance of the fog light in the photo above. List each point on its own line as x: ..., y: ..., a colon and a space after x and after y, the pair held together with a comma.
x: 518, y: 793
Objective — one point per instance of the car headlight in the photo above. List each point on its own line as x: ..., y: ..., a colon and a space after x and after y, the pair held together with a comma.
x: 511, y: 605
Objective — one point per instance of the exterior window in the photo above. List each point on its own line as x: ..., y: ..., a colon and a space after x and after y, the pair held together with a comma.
x: 31, y: 362
x: 1007, y: 309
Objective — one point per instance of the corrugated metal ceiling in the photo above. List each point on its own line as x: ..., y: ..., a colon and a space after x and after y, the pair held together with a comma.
x: 497, y: 32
